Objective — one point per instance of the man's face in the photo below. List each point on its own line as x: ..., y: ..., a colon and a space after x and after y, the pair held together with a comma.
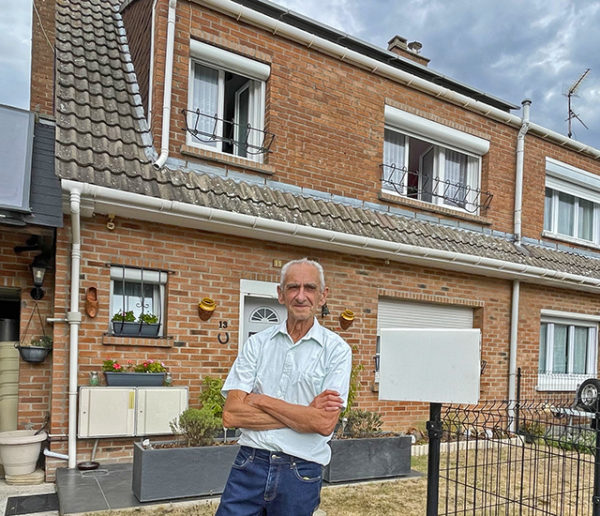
x: 301, y: 293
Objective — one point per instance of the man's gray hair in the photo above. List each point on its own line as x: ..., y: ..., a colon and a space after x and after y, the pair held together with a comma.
x: 316, y: 265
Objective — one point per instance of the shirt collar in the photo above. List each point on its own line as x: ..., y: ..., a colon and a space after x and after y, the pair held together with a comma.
x: 315, y: 333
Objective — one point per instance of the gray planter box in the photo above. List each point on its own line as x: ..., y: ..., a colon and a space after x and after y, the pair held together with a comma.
x: 134, y: 379
x: 169, y: 473
x: 363, y: 459
x: 135, y: 329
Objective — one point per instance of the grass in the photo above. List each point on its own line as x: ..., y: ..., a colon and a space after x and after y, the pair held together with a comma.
x: 549, y: 481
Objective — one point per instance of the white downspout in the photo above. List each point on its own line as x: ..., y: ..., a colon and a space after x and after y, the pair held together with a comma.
x: 519, y: 171
x: 166, y: 115
x: 149, y: 110
x: 74, y: 320
x: 514, y: 328
x: 516, y: 286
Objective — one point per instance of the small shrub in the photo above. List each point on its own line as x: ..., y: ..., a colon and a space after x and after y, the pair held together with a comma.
x: 197, y: 426
x: 362, y: 423
x: 211, y: 397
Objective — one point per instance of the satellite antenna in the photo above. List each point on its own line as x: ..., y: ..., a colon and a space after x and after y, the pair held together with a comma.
x: 570, y: 94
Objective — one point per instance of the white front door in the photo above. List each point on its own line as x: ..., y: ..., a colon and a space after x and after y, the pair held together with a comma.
x: 261, y: 313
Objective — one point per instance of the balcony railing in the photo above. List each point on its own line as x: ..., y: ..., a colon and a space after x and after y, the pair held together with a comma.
x: 242, y: 139
x: 416, y: 185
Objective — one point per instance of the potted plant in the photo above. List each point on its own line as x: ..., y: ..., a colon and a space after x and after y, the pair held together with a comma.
x: 38, y: 349
x: 126, y: 324
x: 148, y: 373
x: 194, y: 465
x: 359, y: 449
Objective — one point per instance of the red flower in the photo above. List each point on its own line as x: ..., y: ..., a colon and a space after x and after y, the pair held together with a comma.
x: 116, y: 366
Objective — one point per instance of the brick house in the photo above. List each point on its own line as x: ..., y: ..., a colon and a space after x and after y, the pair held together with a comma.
x: 429, y: 203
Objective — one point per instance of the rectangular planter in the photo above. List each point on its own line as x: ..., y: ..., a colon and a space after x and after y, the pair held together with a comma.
x: 368, y: 458
x: 135, y: 329
x: 169, y: 473
x: 134, y: 379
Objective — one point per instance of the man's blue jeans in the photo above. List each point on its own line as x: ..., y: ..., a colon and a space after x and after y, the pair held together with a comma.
x: 271, y: 483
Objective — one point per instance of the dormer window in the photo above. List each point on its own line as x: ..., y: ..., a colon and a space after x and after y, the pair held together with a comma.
x: 430, y: 162
x: 226, y: 102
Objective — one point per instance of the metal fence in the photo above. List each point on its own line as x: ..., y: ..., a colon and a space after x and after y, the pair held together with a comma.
x: 524, y: 457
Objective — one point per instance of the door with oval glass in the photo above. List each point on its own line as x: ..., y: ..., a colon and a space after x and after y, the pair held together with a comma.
x: 261, y: 313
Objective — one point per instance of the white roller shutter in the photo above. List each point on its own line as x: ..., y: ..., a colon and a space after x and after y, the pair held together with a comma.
x: 404, y: 314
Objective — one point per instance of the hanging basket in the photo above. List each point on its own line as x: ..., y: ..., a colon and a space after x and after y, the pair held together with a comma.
x: 33, y: 354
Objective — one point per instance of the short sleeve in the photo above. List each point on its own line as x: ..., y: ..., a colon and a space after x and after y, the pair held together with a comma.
x: 243, y: 372
x: 338, y: 372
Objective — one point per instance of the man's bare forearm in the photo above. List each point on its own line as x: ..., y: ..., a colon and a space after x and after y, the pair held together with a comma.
x: 237, y: 413
x: 319, y: 417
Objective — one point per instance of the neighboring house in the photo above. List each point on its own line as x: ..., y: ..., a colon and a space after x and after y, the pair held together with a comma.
x: 428, y: 202
x: 30, y: 212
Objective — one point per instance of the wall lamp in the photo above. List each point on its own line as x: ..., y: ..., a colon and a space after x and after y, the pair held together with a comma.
x: 324, y: 310
x: 38, y: 270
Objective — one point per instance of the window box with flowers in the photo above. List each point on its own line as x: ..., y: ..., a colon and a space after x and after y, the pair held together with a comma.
x: 125, y: 324
x: 146, y: 374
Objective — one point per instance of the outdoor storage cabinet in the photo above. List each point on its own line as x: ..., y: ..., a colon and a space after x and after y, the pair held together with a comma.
x: 129, y: 411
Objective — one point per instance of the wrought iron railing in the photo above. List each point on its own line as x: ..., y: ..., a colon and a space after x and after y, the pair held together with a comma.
x: 416, y: 185
x: 243, y: 139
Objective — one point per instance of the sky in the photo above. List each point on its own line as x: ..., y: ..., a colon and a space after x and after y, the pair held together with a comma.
x: 511, y: 49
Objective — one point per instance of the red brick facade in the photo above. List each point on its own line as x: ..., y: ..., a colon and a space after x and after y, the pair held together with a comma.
x: 328, y: 118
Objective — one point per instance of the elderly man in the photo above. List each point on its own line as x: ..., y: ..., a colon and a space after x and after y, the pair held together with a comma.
x: 285, y: 392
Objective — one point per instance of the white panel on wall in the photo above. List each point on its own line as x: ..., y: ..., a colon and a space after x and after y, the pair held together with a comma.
x: 431, y: 365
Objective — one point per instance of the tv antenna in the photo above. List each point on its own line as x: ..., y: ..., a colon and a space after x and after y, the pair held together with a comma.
x: 570, y: 94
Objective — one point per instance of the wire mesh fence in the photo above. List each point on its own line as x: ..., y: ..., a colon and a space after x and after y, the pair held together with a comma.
x: 525, y: 457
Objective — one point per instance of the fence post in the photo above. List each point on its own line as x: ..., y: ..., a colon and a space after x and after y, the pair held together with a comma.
x: 596, y: 497
x: 434, y: 431
x: 518, y: 404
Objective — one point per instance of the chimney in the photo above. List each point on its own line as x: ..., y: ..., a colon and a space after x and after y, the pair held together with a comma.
x: 42, y: 57
x: 398, y: 45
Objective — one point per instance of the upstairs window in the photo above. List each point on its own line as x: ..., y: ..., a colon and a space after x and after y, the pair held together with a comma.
x: 433, y: 163
x: 572, y: 203
x: 226, y: 103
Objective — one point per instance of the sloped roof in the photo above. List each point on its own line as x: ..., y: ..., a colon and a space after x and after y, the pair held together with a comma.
x: 103, y: 139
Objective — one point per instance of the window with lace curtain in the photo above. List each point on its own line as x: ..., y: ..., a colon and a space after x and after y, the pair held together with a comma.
x: 429, y: 162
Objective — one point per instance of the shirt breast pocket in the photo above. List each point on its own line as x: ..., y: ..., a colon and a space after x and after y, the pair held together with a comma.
x: 309, y: 385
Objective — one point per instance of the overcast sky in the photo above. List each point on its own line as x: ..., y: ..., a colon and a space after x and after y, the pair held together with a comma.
x: 511, y: 49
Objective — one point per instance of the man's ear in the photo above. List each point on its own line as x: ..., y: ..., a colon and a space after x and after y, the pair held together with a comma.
x: 280, y: 297
x: 323, y: 299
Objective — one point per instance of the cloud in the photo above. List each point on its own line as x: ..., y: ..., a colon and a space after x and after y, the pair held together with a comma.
x: 15, y: 52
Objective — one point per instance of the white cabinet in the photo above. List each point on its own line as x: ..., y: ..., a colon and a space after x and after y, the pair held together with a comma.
x: 129, y: 411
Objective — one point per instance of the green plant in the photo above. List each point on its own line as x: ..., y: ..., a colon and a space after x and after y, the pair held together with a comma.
x: 124, y: 316
x: 147, y: 366
x: 211, y: 397
x: 197, y: 426
x: 363, y: 423
x: 45, y: 341
x: 148, y: 318
x: 353, y: 388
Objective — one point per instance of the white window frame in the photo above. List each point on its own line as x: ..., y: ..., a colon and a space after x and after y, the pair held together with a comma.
x: 442, y: 138
x: 567, y: 381
x: 554, y: 232
x: 156, y: 278
x: 225, y: 61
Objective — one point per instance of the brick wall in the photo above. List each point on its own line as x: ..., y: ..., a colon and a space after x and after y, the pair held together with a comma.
x: 328, y: 116
x: 137, y: 18
x: 34, y: 379
x: 42, y: 57
x: 206, y: 264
